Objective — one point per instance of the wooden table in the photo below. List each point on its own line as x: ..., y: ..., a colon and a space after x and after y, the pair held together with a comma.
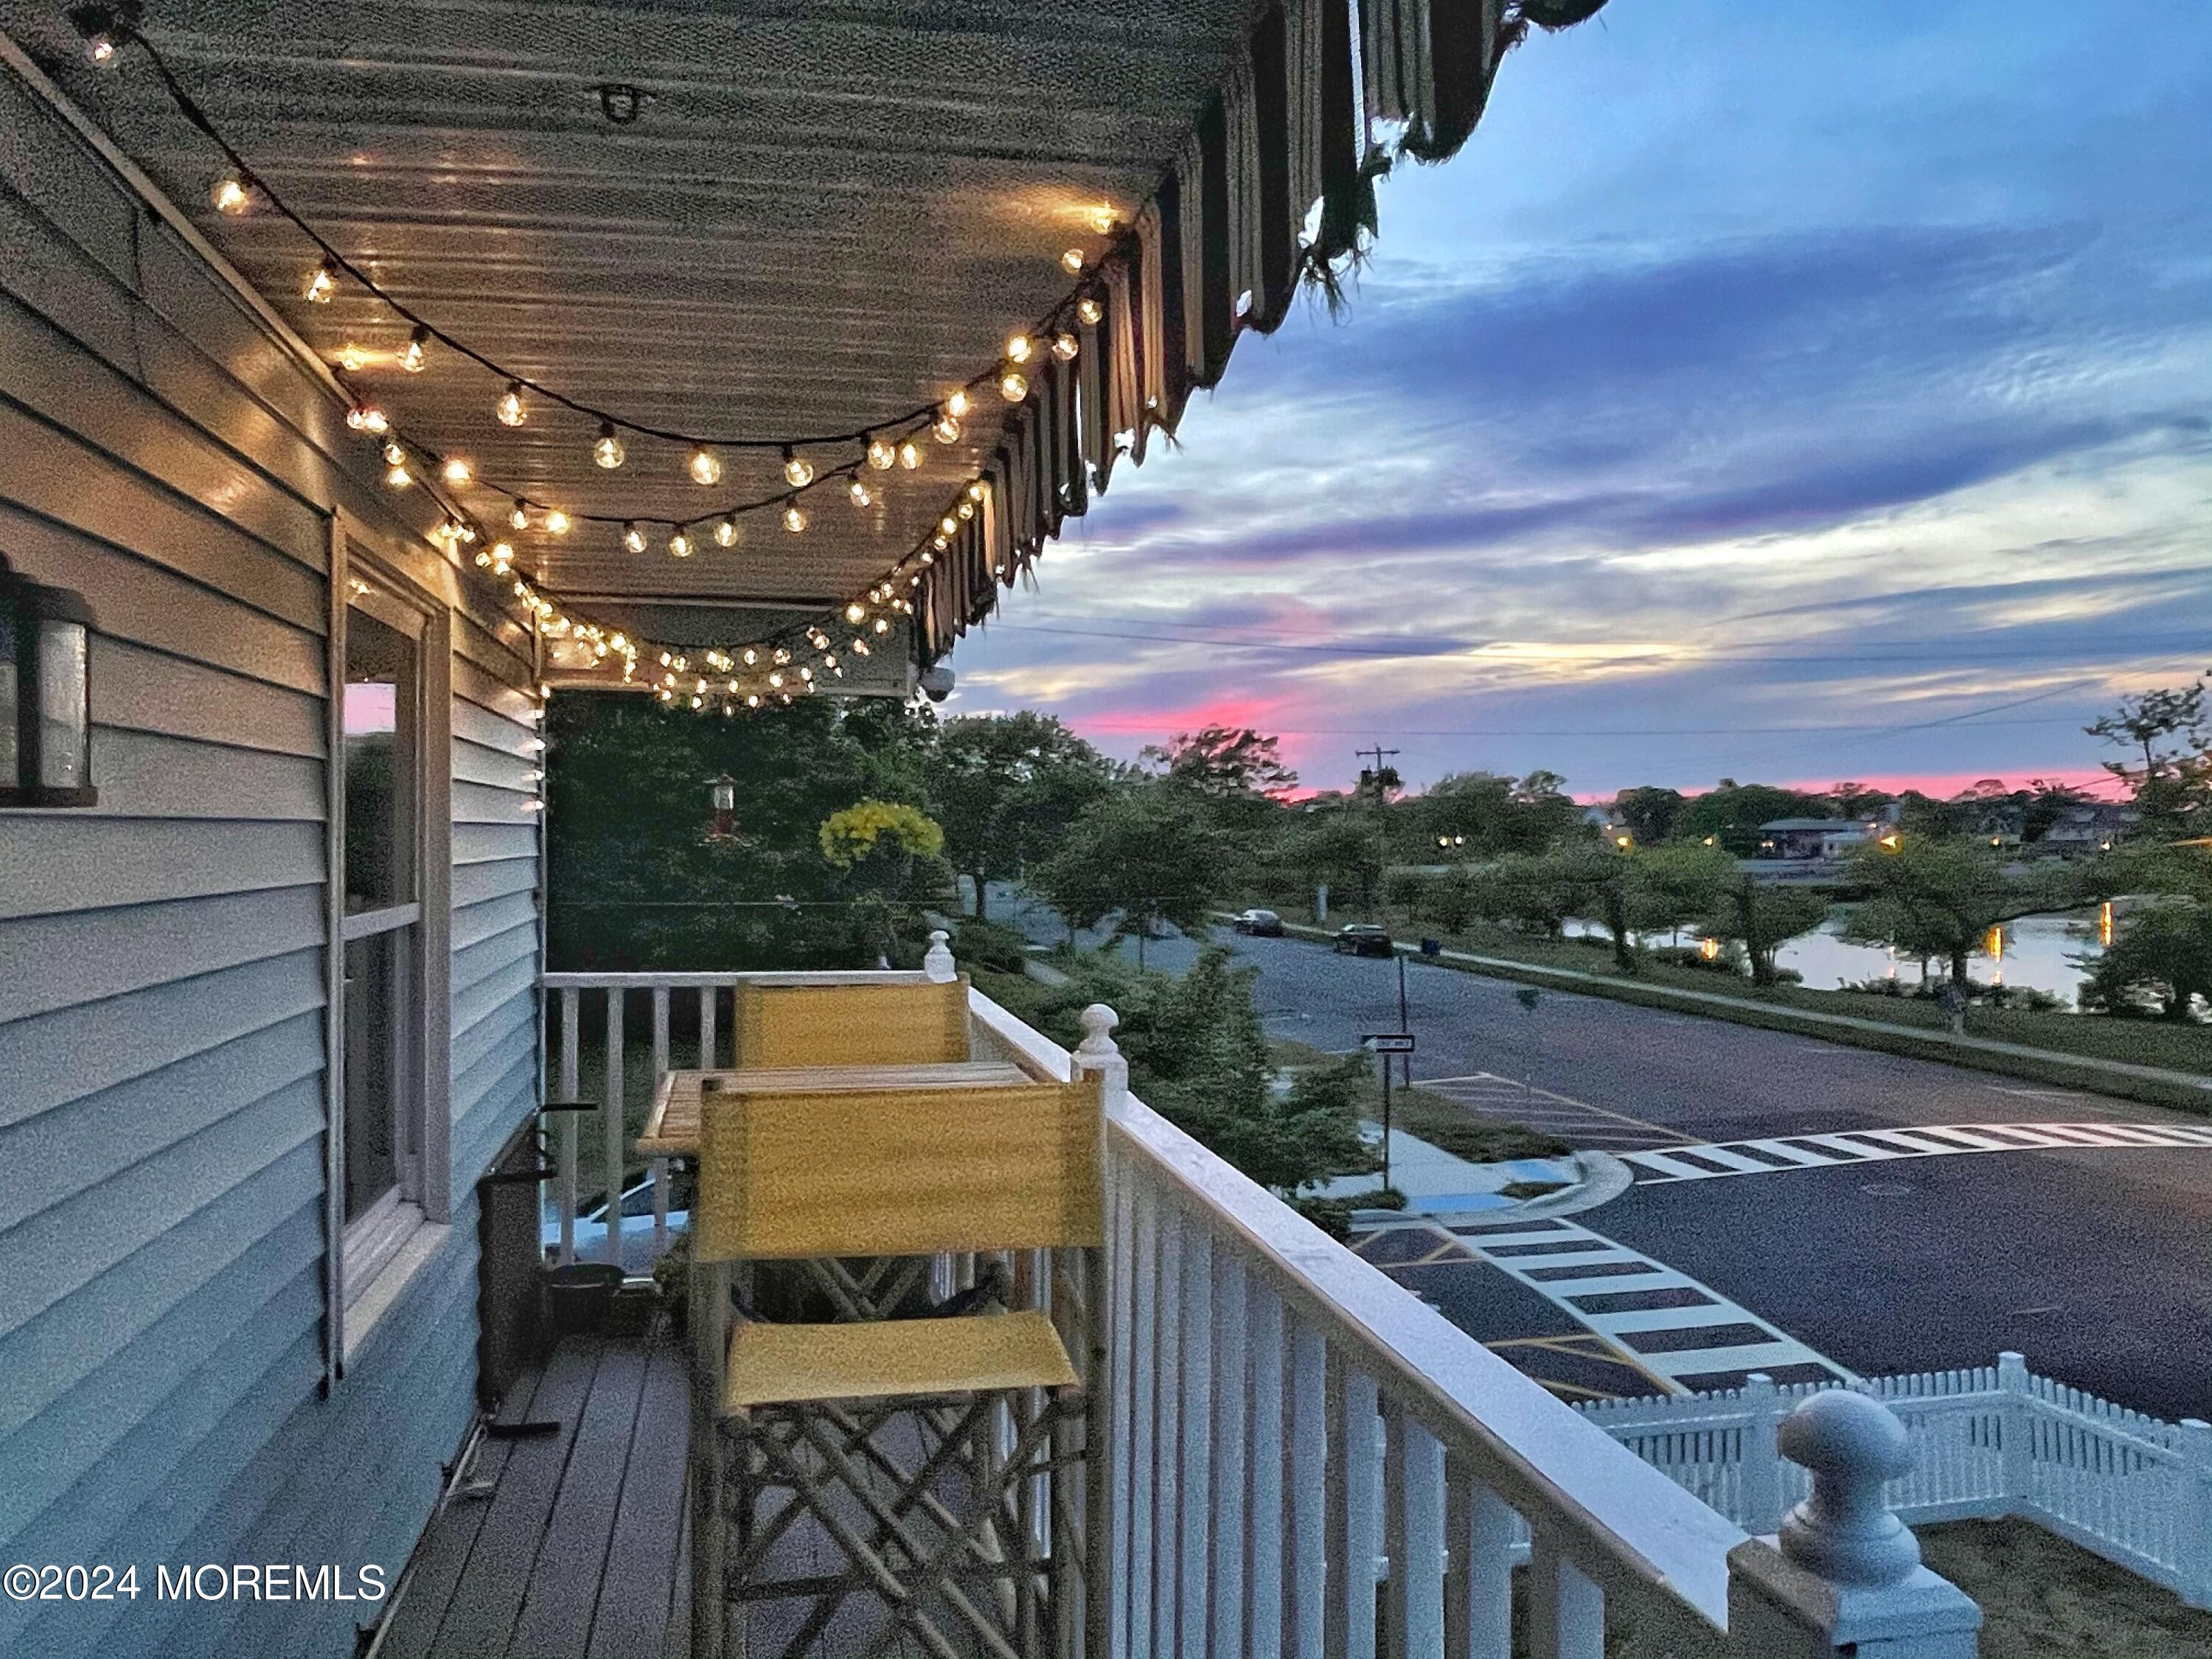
x: 671, y: 1128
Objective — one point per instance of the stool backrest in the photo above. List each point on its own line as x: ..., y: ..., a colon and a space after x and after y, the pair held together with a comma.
x: 899, y: 1172
x: 851, y: 1024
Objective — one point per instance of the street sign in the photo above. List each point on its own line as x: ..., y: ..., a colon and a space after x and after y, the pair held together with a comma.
x: 1388, y: 1043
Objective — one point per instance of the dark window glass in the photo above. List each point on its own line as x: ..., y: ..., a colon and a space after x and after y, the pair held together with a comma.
x: 376, y: 1074
x: 381, y: 681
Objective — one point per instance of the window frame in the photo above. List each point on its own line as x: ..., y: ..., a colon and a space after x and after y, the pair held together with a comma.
x: 359, y: 1254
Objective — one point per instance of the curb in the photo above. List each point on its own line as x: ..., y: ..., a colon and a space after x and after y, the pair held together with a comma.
x: 2154, y: 1085
x: 1604, y: 1178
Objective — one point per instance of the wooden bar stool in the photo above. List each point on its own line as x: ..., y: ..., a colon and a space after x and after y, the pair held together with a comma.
x: 942, y: 1457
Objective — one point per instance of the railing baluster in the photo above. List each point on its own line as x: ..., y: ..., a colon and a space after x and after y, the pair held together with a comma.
x: 1478, y: 1587
x: 564, y: 1189
x: 1413, y: 1521
x: 1566, y: 1611
x: 1354, y: 1492
x: 708, y: 1060
x: 658, y: 1167
x: 1196, y: 1468
x: 1120, y: 1281
x: 1231, y: 1456
x: 1167, y: 1418
x: 1144, y: 1440
x: 610, y: 1125
x: 1307, y: 1565
x: 1264, y: 1521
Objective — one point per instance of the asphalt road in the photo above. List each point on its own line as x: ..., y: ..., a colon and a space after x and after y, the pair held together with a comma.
x: 2094, y: 1263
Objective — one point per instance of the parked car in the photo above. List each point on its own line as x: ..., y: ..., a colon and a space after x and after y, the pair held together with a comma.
x: 1266, y: 923
x: 1362, y: 938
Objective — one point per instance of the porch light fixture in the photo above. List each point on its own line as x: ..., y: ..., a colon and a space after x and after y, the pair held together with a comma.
x: 45, y: 695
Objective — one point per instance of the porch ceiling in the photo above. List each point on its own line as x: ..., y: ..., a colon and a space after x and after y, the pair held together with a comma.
x: 827, y: 213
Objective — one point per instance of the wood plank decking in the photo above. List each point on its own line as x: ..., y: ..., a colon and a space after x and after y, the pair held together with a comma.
x: 570, y: 1545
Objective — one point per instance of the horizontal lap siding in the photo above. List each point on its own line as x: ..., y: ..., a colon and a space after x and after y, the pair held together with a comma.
x: 162, y: 961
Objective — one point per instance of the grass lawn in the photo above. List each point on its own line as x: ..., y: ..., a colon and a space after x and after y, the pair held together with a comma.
x: 1441, y: 1123
x: 2141, y: 1042
x: 2044, y: 1598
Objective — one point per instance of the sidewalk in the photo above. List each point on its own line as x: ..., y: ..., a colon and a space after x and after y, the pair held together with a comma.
x: 2187, y: 1090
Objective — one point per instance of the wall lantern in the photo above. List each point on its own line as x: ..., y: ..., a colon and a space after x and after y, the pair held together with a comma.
x: 45, y: 697
x: 722, y: 796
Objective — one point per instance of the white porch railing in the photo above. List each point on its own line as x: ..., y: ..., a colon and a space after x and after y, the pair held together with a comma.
x: 1304, y: 1460
x: 1992, y: 1441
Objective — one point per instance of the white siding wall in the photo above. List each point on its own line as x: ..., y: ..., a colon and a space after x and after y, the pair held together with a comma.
x: 161, y: 959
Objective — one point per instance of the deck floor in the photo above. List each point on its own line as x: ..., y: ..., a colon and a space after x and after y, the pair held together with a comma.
x: 573, y: 1546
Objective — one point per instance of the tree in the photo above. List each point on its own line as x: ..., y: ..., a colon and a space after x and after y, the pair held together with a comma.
x: 888, y: 854
x: 1224, y: 762
x: 1007, y: 788
x: 1670, y: 886
x: 1524, y: 890
x: 1144, y: 855
x: 1731, y: 813
x: 1451, y: 899
x: 1343, y: 848
x: 1932, y: 897
x: 1599, y: 882
x: 1648, y: 813
x: 2171, y: 775
x: 1762, y: 916
x: 2159, y: 963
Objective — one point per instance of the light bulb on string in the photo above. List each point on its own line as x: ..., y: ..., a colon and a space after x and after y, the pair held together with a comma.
x: 502, y: 553
x: 948, y: 524
x: 882, y: 453
x: 860, y: 648
x: 798, y: 471
x: 518, y: 517
x: 457, y: 471
x: 679, y: 544
x: 100, y: 48
x: 607, y: 449
x: 1104, y: 219
x: 417, y: 351
x: 1019, y: 348
x: 882, y: 625
x: 959, y: 403
x: 1089, y: 310
x: 367, y: 417
x: 947, y: 428
x: 967, y: 509
x: 1072, y: 261
x: 751, y: 656
x: 633, y: 538
x: 855, y: 612
x: 322, y: 283
x: 726, y: 532
x: 977, y: 490
x: 1064, y: 346
x: 859, y: 492
x: 942, y: 541
x: 352, y: 357
x: 705, y: 467
x: 230, y: 195
x: 556, y: 523
x: 910, y: 455
x: 929, y: 557
x: 397, y: 476
x: 1013, y: 386
x: 510, y: 409
x: 794, y: 518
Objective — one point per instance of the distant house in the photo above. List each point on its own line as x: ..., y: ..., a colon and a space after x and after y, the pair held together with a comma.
x: 2090, y: 828
x: 1812, y: 838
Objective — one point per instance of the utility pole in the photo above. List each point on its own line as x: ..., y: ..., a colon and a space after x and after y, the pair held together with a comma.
x: 1374, y: 772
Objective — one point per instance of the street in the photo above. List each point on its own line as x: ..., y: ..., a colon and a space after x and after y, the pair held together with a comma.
x: 2090, y: 1250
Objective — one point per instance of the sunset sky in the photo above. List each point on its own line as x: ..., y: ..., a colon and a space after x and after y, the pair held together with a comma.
x: 1792, y: 393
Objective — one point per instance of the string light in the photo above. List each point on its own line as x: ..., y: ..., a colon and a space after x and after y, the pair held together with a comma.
x: 1072, y: 262
x: 510, y: 409
x: 1064, y: 346
x: 353, y: 358
x: 1019, y: 348
x: 798, y: 472
x: 1013, y: 386
x: 855, y: 612
x: 947, y: 428
x: 367, y: 417
x: 977, y: 490
x: 607, y: 449
x: 959, y: 403
x: 794, y: 519
x: 633, y: 538
x: 456, y: 472
x: 100, y: 48
x: 556, y: 522
x: 858, y: 490
x: 518, y: 519
x: 1104, y: 219
x: 726, y: 532
x: 230, y: 195
x: 679, y: 544
x: 322, y: 283
x: 705, y: 467
x: 1090, y: 310
x: 882, y: 452
x: 910, y: 455
x: 397, y: 476
x: 418, y: 350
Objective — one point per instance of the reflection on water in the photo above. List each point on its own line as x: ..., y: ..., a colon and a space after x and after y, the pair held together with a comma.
x: 2033, y: 952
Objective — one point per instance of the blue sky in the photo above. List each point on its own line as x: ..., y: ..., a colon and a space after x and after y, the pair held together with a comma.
x: 1792, y: 391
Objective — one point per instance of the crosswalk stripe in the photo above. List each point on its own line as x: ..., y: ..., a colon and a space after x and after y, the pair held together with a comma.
x: 1681, y: 1162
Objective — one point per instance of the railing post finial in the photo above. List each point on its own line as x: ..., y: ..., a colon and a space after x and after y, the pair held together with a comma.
x: 1845, y: 1531
x: 1098, y: 1052
x: 937, y: 964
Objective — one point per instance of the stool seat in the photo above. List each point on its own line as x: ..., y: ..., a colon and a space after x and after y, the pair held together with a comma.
x: 788, y: 1364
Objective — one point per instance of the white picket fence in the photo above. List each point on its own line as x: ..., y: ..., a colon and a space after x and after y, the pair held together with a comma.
x: 1993, y: 1441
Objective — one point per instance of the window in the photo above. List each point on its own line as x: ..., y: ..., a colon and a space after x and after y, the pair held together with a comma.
x: 382, y: 1091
